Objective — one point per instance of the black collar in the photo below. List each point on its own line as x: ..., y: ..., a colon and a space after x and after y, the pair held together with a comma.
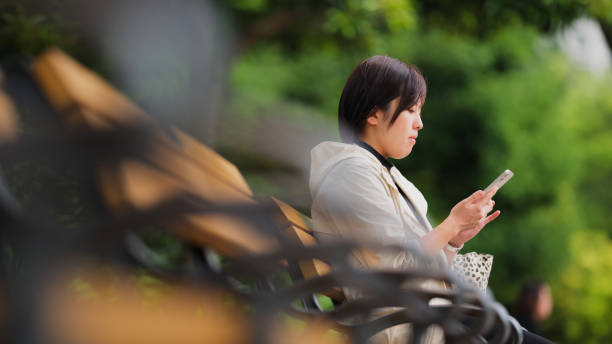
x: 386, y: 163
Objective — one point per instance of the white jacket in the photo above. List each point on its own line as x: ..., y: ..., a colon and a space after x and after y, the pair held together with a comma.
x: 355, y: 197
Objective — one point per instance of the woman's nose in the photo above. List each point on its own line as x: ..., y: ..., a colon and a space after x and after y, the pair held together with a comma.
x: 418, y: 124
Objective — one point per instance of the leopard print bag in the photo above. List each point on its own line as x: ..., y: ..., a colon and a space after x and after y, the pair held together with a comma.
x: 474, y: 268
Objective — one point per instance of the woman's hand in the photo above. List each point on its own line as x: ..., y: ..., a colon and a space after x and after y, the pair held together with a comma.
x: 466, y: 219
x: 470, y: 216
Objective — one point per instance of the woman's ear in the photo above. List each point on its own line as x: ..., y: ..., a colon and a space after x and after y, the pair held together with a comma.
x: 376, y: 117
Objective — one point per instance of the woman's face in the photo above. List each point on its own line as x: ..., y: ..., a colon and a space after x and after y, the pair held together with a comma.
x: 396, y: 141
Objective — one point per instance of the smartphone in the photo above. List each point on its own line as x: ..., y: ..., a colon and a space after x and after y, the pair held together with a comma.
x: 500, y: 181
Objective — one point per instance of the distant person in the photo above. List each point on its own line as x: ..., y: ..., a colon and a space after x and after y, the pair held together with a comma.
x: 533, y: 305
x: 358, y: 194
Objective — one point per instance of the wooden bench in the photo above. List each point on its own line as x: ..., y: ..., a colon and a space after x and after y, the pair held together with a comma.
x: 168, y: 170
x: 174, y: 166
x: 299, y: 228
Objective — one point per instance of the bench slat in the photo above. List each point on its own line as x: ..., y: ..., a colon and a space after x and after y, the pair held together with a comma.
x: 9, y: 126
x: 300, y: 229
x: 81, y: 96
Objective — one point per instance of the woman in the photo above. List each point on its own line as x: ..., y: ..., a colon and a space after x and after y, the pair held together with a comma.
x: 358, y: 194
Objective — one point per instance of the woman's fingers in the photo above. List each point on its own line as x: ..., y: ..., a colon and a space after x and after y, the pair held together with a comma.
x: 489, y: 194
x: 491, y: 217
x: 481, y: 210
x: 480, y: 196
x: 472, y: 212
x: 476, y: 196
x: 488, y: 208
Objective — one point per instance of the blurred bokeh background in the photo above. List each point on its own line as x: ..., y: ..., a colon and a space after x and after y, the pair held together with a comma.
x: 524, y: 85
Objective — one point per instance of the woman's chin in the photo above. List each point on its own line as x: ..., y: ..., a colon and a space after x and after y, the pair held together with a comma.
x: 401, y: 155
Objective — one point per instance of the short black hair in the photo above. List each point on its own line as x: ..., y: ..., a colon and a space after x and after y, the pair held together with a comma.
x: 372, y: 85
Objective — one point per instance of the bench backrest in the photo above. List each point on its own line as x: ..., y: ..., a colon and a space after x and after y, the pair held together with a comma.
x: 87, y: 101
x: 81, y: 96
x: 171, y: 168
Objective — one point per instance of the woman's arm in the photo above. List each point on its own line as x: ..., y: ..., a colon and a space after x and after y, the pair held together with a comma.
x: 465, y: 220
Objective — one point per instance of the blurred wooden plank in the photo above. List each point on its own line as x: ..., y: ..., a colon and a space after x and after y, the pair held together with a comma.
x: 96, y: 308
x: 8, y: 116
x: 207, y: 182
x: 81, y: 96
x: 302, y: 235
x: 170, y: 169
x: 229, y: 235
x: 102, y: 306
x: 319, y: 332
x: 209, y: 159
x: 135, y: 185
x: 300, y: 229
x: 86, y: 98
x: 293, y: 216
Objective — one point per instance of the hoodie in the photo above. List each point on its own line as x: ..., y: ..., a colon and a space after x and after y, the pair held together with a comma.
x: 355, y: 197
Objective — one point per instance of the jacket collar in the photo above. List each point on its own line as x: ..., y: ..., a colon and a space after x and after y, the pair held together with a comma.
x: 386, y: 163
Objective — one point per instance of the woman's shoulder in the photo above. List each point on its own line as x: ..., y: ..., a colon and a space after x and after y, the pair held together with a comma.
x: 341, y: 165
x: 339, y: 159
x: 330, y: 153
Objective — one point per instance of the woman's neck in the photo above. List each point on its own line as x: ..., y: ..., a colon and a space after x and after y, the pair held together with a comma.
x: 374, y: 144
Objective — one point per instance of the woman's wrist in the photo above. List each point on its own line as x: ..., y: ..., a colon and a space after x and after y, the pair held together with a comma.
x: 455, y: 243
x: 434, y: 241
x: 452, y: 228
x: 450, y: 247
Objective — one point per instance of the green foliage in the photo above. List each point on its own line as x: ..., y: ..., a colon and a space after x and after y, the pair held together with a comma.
x: 359, y: 17
x: 481, y: 17
x: 249, y: 5
x: 583, y: 297
x: 25, y: 33
x: 264, y: 78
x: 164, y: 250
x: 600, y: 9
x: 326, y: 303
x: 342, y: 23
x: 586, y: 110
